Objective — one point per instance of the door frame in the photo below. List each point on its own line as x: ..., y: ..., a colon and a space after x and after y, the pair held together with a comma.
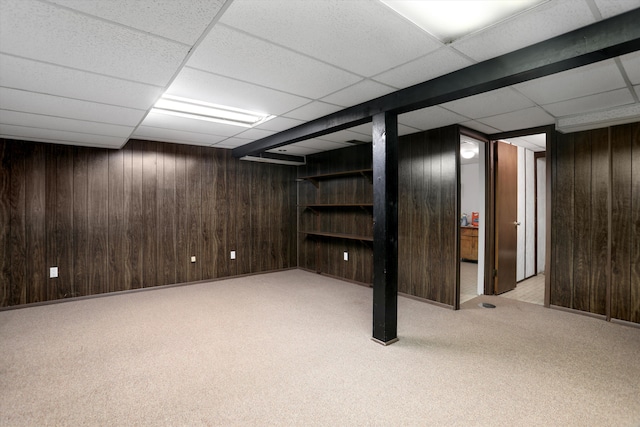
x: 490, y: 207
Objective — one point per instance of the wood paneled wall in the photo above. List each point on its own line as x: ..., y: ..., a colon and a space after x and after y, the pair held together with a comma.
x: 427, y: 215
x: 325, y: 255
x: 117, y: 220
x: 596, y: 222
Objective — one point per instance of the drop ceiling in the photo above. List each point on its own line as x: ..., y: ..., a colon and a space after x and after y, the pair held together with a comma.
x: 88, y: 72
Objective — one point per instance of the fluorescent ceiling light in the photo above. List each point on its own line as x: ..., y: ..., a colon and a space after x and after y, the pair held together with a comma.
x: 468, y: 154
x: 449, y: 20
x: 200, y: 110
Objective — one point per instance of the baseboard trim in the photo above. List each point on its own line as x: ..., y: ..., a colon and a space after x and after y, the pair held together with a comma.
x: 428, y: 301
x: 574, y: 311
x: 368, y: 285
x: 131, y: 291
x: 626, y: 323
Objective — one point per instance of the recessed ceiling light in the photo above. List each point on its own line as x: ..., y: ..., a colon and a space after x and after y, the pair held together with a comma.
x: 468, y: 154
x: 449, y: 20
x: 201, y: 110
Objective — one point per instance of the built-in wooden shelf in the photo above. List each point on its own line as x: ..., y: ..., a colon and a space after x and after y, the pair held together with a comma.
x: 315, y: 179
x: 339, y: 235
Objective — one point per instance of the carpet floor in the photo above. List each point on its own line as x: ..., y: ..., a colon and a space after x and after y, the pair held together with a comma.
x: 294, y: 348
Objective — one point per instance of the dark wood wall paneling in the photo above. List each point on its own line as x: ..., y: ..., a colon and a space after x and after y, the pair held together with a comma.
x: 427, y: 215
x: 596, y: 184
x: 118, y: 220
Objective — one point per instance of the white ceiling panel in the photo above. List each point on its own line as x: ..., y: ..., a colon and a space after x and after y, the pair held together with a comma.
x: 313, y: 110
x: 588, y: 80
x: 51, y: 34
x: 58, y: 123
x: 593, y: 120
x: 595, y: 102
x: 430, y: 118
x: 166, y: 121
x: 232, y: 142
x: 295, y: 150
x: 540, y: 23
x: 637, y: 89
x: 323, y: 145
x: 200, y: 85
x: 167, y: 18
x: 278, y: 124
x: 24, y: 74
x: 435, y: 64
x: 60, y: 137
x: 346, y: 135
x: 523, y: 119
x: 359, y: 36
x: 480, y: 127
x: 631, y: 64
x: 528, y: 143
x: 609, y: 8
x: 30, y: 102
x: 489, y: 103
x: 253, y: 134
x: 367, y: 131
x: 231, y: 53
x: 360, y: 92
x: 177, y: 136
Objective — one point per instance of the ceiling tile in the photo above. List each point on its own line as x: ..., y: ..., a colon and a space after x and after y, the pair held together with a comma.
x: 367, y: 130
x: 313, y: 110
x: 232, y: 142
x: 295, y: 150
x: 637, y: 89
x: 323, y: 145
x: 176, y: 20
x: 254, y: 134
x: 278, y: 124
x: 52, y: 34
x: 60, y: 137
x: 523, y: 119
x: 208, y: 87
x: 435, y: 64
x: 24, y: 74
x: 30, y: 102
x: 359, y: 36
x: 540, y: 23
x: 595, y: 102
x: 588, y: 80
x: 480, y: 127
x: 631, y: 64
x: 363, y: 91
x: 58, y: 123
x: 345, y: 136
x: 593, y: 120
x: 234, y: 54
x: 166, y: 121
x: 489, y: 103
x: 609, y: 8
x: 430, y: 118
x: 177, y: 136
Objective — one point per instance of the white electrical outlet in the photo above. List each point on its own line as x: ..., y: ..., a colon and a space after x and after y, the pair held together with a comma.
x: 346, y: 256
x: 193, y: 259
x: 53, y: 272
x: 233, y: 254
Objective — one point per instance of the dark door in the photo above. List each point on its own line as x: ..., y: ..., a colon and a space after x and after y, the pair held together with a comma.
x: 506, y: 209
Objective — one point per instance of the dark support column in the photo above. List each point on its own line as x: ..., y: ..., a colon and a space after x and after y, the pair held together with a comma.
x: 385, y: 228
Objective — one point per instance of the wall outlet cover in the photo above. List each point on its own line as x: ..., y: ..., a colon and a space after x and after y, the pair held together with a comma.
x: 193, y: 259
x: 346, y: 256
x: 53, y: 272
x: 233, y: 254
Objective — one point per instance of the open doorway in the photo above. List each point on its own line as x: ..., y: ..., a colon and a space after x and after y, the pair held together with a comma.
x: 519, y: 201
x: 472, y: 216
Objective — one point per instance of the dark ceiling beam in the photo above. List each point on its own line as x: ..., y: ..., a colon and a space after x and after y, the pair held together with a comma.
x: 605, y: 39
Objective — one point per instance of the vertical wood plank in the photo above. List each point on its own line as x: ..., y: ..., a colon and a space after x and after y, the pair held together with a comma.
x: 166, y: 215
x: 420, y: 180
x: 195, y: 164
x: 5, y: 221
x: 51, y: 193
x: 620, y: 216
x: 210, y: 187
x: 582, y: 221
x: 634, y: 224
x: 116, y: 221
x: 81, y: 249
x: 563, y: 214
x: 405, y: 208
x: 98, y: 221
x: 17, y: 214
x: 599, y: 221
x: 434, y: 201
x: 150, y: 185
x: 228, y: 217
x: 36, y: 233
x: 449, y: 219
x: 134, y: 222
x: 244, y: 229
x: 64, y: 222
x: 182, y: 255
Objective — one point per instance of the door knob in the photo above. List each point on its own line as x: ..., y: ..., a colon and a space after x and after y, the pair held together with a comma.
x: 516, y: 223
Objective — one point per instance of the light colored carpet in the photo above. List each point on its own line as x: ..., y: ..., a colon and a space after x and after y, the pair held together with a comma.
x: 294, y: 348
